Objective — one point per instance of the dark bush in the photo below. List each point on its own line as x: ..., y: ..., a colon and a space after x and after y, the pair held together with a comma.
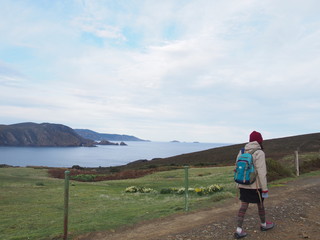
x: 114, y: 169
x: 152, y: 166
x: 200, y: 164
x: 165, y: 191
x: 310, y: 165
x: 84, y: 177
x: 76, y: 167
x: 277, y: 171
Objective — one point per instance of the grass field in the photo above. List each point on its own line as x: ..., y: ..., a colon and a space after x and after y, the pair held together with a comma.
x: 32, y: 204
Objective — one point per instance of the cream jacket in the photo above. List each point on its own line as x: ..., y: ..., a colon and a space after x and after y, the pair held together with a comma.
x: 259, y: 164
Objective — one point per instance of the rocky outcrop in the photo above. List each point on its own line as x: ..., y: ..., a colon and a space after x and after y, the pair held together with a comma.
x: 42, y: 135
x: 105, y: 142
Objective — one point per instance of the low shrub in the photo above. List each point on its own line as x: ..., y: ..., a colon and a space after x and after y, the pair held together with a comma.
x: 310, y: 165
x: 84, y: 177
x: 166, y: 191
x: 208, y: 190
x: 152, y: 166
x: 87, y: 176
x: 40, y: 184
x: 134, y: 189
x: 199, y: 190
x: 114, y: 170
x: 277, y: 171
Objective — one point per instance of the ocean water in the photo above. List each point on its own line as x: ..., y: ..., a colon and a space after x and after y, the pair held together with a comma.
x: 104, y: 156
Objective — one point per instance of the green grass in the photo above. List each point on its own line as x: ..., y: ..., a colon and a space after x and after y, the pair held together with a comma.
x: 32, y: 204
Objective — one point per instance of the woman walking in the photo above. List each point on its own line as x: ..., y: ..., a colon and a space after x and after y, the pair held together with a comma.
x: 257, y: 191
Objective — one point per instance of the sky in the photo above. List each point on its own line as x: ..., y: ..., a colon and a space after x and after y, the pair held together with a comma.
x: 186, y: 70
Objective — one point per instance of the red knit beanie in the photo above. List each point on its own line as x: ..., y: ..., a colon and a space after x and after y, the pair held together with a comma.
x: 256, y: 136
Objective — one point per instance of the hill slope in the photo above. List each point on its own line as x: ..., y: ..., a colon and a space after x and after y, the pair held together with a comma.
x: 274, y: 148
x: 44, y: 134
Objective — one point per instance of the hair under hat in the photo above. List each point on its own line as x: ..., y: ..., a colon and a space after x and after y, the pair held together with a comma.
x: 256, y: 136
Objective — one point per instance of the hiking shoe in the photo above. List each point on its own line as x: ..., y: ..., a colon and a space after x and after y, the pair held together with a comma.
x: 269, y: 226
x: 242, y: 234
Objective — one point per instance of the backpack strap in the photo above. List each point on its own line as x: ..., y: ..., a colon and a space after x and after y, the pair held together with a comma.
x: 258, y: 180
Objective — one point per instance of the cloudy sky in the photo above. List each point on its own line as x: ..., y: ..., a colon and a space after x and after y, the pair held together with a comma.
x: 187, y: 70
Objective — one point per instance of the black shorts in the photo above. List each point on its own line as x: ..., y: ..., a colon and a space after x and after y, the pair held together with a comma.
x: 250, y: 195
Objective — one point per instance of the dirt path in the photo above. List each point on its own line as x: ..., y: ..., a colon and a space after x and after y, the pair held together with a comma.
x: 293, y: 206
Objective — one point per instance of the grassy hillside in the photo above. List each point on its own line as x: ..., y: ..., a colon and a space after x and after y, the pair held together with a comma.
x: 279, y: 154
x: 276, y: 149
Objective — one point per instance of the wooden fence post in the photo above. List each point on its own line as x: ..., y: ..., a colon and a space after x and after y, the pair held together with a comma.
x: 186, y: 188
x: 296, y: 154
x: 66, y: 204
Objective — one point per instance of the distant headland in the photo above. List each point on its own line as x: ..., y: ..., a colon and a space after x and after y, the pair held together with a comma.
x: 56, y: 135
x: 89, y: 134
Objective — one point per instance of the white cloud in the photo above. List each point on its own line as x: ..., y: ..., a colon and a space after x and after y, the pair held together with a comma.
x: 203, y: 70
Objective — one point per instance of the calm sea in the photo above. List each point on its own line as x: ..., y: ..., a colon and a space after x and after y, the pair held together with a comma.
x: 104, y: 156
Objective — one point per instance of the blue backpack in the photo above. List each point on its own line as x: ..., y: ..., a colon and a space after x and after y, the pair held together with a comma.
x: 245, y: 172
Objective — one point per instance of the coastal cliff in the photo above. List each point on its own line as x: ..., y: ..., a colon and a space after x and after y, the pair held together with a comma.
x: 42, y: 135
